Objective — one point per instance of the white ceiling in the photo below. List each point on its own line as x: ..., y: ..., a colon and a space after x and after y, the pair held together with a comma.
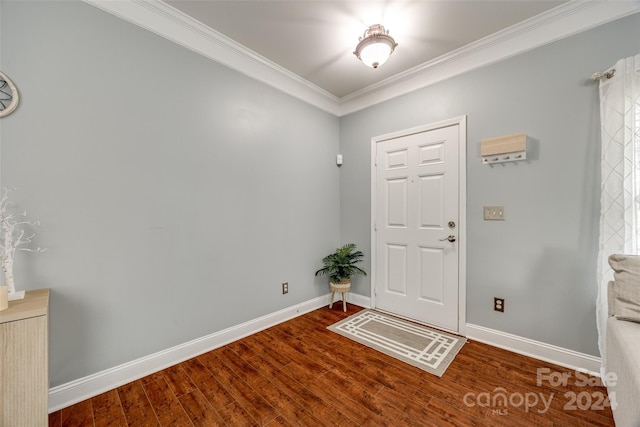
x: 315, y: 39
x: 304, y: 47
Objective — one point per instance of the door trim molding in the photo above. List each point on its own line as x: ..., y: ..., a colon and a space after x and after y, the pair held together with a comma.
x: 461, y: 121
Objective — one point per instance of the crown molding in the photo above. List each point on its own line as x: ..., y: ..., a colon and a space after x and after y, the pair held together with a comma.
x: 172, y: 24
x: 565, y: 20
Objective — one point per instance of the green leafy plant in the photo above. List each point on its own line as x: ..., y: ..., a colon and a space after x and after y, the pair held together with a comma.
x: 341, y: 265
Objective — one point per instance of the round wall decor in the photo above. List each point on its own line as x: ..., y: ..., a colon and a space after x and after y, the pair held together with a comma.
x: 8, y: 95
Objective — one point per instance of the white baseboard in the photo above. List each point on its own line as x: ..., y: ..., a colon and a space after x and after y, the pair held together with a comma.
x: 84, y: 388
x: 528, y: 347
x: 358, y: 299
x: 536, y: 349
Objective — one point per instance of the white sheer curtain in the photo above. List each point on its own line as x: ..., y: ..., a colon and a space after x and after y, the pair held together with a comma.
x: 620, y: 203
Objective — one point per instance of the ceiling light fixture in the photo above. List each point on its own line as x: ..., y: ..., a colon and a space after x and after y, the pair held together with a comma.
x: 375, y: 47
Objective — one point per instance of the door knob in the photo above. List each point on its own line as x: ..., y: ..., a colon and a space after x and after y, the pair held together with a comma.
x: 450, y: 238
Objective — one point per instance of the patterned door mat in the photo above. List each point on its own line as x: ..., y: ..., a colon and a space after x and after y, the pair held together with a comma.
x: 421, y: 346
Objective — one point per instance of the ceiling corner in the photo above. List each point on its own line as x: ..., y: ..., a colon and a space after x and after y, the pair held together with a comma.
x: 565, y: 20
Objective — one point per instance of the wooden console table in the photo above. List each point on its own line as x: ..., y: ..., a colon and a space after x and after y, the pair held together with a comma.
x: 24, y: 361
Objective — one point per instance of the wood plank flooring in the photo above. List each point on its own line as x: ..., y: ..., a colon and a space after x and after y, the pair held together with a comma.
x: 300, y: 374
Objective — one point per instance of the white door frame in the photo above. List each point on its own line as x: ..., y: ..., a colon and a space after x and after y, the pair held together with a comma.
x: 461, y: 121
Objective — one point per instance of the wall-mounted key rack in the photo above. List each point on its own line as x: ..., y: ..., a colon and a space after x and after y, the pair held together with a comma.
x: 509, y: 148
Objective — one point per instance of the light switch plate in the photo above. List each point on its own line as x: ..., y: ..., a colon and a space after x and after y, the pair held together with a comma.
x: 494, y: 213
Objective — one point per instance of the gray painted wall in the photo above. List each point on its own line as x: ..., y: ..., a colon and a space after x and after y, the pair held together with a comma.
x: 542, y: 259
x: 175, y: 194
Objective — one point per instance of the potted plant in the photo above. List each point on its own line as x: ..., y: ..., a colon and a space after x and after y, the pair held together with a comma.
x: 340, y: 266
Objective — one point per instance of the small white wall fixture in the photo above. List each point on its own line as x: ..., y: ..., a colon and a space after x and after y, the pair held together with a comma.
x: 508, y: 148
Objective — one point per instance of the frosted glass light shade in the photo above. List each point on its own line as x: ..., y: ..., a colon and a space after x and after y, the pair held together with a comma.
x: 375, y: 54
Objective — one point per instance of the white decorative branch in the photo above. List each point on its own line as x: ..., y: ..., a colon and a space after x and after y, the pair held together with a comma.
x: 12, y: 237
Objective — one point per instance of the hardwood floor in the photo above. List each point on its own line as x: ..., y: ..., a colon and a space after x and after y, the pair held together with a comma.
x: 300, y: 374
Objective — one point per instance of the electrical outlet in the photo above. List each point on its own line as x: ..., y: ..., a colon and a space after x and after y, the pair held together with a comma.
x: 285, y: 288
x: 494, y: 213
x: 498, y: 304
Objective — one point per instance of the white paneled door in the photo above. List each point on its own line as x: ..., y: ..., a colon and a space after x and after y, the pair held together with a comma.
x: 417, y: 224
